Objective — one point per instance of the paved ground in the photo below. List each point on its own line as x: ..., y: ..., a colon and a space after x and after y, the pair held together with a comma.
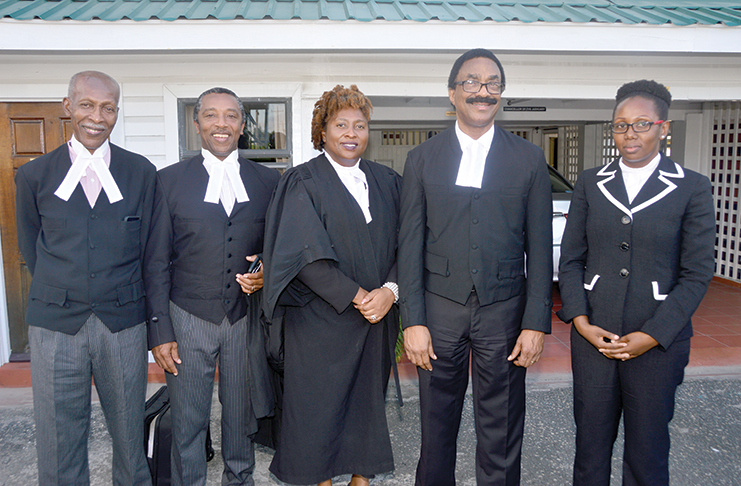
x: 706, y: 435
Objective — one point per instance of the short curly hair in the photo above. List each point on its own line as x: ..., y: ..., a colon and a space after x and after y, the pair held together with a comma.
x: 332, y: 102
x: 650, y: 90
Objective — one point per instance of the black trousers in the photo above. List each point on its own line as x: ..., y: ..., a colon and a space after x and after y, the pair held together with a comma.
x: 641, y: 389
x: 486, y: 334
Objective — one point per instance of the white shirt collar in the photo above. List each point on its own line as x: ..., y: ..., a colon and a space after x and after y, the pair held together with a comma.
x: 635, y: 178
x: 355, y: 182
x: 465, y: 140
x: 473, y: 159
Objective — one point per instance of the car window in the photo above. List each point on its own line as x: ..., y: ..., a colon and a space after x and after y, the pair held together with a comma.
x: 558, y: 183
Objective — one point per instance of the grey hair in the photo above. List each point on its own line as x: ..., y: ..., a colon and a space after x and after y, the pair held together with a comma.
x: 72, y: 88
x: 218, y: 91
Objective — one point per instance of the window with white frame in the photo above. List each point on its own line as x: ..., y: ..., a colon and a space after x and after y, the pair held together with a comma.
x: 267, y: 131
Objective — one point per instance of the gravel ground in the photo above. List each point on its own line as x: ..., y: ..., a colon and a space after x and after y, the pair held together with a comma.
x: 706, y: 438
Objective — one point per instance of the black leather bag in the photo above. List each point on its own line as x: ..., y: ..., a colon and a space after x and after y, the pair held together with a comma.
x: 158, y: 437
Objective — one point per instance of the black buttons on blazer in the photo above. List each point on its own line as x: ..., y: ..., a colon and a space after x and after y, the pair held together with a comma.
x: 155, y: 319
x: 624, y: 273
x: 624, y: 246
x: 625, y: 220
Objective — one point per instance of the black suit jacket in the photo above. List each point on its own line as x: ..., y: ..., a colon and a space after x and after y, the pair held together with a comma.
x: 196, y: 250
x: 84, y: 260
x: 453, y: 238
x: 640, y: 266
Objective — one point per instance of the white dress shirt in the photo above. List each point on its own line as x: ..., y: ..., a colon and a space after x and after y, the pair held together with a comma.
x: 635, y: 178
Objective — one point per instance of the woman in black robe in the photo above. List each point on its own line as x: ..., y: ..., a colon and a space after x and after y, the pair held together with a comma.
x: 330, y: 273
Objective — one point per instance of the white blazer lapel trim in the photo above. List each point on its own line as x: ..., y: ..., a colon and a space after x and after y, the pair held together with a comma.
x: 657, y: 295
x: 670, y: 186
x: 590, y: 286
x: 601, y: 185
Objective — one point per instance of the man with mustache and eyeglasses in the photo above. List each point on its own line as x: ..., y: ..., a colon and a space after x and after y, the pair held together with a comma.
x: 475, y: 276
x: 207, y: 231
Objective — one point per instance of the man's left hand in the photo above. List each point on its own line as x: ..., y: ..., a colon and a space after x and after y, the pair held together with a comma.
x: 250, y: 282
x: 528, y: 348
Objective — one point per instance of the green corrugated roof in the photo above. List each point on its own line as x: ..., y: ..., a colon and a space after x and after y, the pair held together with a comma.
x: 656, y: 12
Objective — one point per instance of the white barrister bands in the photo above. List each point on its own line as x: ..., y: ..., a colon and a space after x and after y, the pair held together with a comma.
x: 224, y: 182
x: 96, y: 162
x: 356, y: 184
x: 473, y: 160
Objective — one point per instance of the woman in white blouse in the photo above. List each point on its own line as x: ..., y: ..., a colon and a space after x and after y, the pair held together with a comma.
x: 636, y: 260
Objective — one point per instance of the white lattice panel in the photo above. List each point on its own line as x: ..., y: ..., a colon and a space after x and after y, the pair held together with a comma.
x: 725, y: 172
x: 570, y: 164
x: 609, y: 150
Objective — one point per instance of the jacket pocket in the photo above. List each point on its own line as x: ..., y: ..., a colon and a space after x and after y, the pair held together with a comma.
x: 436, y: 264
x: 48, y: 294
x: 658, y: 288
x: 590, y: 281
x: 511, y: 268
x: 130, y: 293
x: 53, y: 224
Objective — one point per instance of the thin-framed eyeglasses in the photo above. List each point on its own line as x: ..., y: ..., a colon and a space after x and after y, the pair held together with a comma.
x: 473, y: 86
x: 638, y: 127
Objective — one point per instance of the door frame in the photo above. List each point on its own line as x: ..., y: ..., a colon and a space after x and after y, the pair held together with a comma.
x: 52, y: 93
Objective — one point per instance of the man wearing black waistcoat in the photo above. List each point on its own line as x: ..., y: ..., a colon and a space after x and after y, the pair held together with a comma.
x: 83, y: 213
x: 209, y: 215
x: 475, y: 269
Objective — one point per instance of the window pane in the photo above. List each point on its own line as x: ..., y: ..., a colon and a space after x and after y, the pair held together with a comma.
x: 265, y: 127
x: 265, y: 130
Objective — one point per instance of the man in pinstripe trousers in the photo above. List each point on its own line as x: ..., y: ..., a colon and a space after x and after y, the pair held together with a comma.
x: 83, y: 213
x: 209, y: 215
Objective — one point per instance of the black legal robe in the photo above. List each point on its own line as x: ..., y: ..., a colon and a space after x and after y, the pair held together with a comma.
x: 334, y: 419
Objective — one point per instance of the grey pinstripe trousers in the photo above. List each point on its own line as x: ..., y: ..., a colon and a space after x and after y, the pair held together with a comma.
x: 201, y: 345
x: 61, y: 370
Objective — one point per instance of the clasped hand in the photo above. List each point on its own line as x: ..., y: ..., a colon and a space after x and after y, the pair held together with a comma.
x: 611, y: 345
x: 374, y: 305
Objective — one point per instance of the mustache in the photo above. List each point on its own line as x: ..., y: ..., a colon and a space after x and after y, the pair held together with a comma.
x: 482, y: 99
x: 94, y: 126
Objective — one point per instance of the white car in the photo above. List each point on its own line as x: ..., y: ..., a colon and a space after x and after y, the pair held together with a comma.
x: 562, y: 190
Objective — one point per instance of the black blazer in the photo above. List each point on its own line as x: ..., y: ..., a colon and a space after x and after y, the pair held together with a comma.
x: 196, y: 250
x: 641, y: 266
x: 453, y: 239
x: 84, y: 260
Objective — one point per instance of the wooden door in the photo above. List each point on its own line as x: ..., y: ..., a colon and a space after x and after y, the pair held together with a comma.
x: 27, y: 131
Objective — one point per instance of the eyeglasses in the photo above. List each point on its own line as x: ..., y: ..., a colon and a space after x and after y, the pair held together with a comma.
x: 473, y: 86
x: 638, y: 127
